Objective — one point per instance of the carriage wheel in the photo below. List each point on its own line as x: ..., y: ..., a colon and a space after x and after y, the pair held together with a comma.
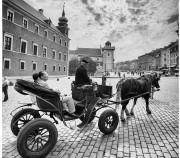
x: 108, y: 121
x: 91, y: 117
x: 37, y: 138
x: 21, y: 118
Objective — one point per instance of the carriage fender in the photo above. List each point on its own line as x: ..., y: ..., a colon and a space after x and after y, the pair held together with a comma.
x: 89, y: 112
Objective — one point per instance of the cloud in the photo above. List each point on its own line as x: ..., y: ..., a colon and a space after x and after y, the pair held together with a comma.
x: 122, y: 19
x: 97, y: 16
x: 114, y: 36
x: 134, y: 27
x: 136, y: 11
x: 137, y: 3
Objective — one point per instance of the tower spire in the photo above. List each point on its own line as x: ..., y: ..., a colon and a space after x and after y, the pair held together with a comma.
x: 63, y: 13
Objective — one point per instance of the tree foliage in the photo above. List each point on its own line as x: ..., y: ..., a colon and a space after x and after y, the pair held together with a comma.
x: 73, y: 65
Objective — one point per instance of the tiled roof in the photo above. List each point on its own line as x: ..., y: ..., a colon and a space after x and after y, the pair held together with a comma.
x: 72, y: 52
x: 28, y: 8
x: 89, y: 51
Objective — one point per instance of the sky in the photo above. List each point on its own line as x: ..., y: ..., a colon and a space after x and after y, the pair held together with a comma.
x: 134, y: 27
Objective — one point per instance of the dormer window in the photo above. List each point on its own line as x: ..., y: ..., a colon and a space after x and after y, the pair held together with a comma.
x: 48, y: 21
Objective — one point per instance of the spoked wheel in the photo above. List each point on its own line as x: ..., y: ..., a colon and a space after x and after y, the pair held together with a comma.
x: 37, y: 138
x: 21, y: 118
x: 108, y: 121
x: 91, y: 117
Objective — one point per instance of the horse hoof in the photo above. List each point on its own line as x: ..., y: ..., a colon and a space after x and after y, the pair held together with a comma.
x: 149, y: 112
x: 132, y: 113
x: 123, y: 120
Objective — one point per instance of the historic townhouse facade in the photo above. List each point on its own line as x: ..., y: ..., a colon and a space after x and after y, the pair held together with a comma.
x: 165, y: 57
x: 31, y: 42
x: 174, y: 55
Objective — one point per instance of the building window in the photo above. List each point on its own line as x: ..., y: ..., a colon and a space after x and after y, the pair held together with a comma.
x: 65, y: 44
x: 54, y: 38
x: 23, y: 46
x: 10, y: 15
x: 64, y: 68
x: 64, y: 57
x: 25, y: 23
x: 22, y: 65
x: 60, y: 41
x: 59, y: 56
x: 7, y: 63
x: 45, y: 67
x: 44, y: 52
x: 35, y: 49
x: 8, y: 42
x: 54, y: 68
x: 45, y: 33
x: 54, y: 54
x: 36, y: 28
x: 59, y: 67
x: 34, y: 66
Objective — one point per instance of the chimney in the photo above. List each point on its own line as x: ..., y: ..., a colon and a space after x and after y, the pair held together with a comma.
x: 41, y: 11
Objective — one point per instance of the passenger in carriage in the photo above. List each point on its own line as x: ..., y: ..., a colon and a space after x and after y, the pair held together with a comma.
x: 43, y: 77
x: 35, y: 77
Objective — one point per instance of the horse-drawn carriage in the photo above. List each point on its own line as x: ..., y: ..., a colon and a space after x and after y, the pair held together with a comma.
x: 37, y: 135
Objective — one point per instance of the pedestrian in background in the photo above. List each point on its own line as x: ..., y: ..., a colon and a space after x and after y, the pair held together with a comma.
x: 5, y: 88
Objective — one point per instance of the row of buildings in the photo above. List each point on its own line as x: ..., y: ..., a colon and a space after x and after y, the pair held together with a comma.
x: 164, y: 59
x: 31, y: 42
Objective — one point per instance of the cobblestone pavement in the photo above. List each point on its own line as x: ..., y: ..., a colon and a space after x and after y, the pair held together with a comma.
x: 141, y: 136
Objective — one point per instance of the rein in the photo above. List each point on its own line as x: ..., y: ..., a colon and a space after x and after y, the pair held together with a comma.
x: 137, y: 96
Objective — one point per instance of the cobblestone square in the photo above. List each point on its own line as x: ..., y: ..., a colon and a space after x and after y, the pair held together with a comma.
x: 141, y: 136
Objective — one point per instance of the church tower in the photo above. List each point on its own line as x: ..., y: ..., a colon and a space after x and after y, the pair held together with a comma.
x: 108, y: 57
x: 63, y: 24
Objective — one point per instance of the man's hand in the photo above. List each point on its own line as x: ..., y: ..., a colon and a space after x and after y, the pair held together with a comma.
x: 57, y: 90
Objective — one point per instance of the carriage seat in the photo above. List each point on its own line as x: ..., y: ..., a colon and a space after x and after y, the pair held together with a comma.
x: 102, y: 95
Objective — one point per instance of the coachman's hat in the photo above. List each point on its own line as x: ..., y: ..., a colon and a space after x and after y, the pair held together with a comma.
x: 84, y: 60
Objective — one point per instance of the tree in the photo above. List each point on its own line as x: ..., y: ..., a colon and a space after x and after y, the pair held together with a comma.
x: 91, y: 66
x: 73, y: 64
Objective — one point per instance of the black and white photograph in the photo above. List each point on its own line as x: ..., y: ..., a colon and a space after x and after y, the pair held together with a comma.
x: 90, y: 79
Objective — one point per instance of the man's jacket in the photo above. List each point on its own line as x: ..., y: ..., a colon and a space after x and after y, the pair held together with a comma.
x: 81, y: 77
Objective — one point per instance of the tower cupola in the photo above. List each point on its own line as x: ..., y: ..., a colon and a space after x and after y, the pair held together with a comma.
x: 63, y: 23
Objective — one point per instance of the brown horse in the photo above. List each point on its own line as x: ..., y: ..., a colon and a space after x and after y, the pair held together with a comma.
x: 131, y: 87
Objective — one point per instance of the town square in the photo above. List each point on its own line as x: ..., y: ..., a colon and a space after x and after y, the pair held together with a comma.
x: 142, y: 136
x: 90, y: 79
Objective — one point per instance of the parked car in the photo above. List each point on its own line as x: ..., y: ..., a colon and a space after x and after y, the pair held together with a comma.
x: 176, y: 72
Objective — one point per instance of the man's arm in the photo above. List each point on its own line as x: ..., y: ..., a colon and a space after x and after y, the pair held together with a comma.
x: 86, y: 77
x: 5, y: 83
